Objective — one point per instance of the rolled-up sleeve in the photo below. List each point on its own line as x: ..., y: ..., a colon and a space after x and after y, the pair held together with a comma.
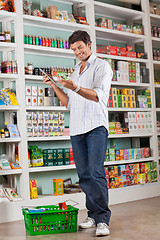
x: 102, y: 81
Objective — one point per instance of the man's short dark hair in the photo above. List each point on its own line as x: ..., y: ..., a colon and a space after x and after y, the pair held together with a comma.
x: 79, y: 36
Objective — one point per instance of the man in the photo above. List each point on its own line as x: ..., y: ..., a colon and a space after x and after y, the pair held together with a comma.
x: 88, y: 91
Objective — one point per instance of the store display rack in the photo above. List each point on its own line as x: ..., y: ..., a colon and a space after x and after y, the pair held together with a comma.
x: 92, y: 8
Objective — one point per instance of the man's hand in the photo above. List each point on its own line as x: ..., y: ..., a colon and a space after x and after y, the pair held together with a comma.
x: 67, y: 83
x: 46, y: 79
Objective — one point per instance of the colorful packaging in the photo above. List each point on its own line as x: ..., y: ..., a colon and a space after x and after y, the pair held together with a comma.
x: 33, y: 189
x: 58, y: 187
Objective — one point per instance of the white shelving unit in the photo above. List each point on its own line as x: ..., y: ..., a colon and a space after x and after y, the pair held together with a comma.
x: 92, y: 9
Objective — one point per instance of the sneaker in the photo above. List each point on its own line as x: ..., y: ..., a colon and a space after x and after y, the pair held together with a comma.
x: 102, y: 229
x: 88, y: 223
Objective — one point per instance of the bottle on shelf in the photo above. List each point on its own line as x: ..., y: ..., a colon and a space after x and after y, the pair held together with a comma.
x: 6, y: 131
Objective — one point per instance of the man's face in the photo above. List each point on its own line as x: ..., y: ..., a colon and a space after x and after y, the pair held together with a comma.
x: 81, y: 50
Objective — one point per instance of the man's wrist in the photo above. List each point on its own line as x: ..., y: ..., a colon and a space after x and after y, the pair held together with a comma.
x: 76, y: 90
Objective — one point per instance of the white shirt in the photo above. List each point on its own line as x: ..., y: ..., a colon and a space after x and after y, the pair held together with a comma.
x: 85, y: 115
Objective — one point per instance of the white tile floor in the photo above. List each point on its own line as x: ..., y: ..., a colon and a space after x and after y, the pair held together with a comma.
x: 139, y: 220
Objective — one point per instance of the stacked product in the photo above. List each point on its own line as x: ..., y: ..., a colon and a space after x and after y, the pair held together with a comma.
x: 119, y: 51
x: 139, y: 122
x: 125, y: 98
x: 131, y: 174
x: 46, y: 42
x: 56, y: 157
x: 110, y: 24
x: 133, y: 123
x: 40, y: 96
x: 143, y: 99
x: 45, y: 124
x: 127, y: 154
x: 50, y: 157
x: 122, y: 98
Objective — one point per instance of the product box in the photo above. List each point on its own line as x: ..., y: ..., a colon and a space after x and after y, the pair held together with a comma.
x: 40, y: 101
x: 122, y: 66
x: 142, y: 167
x: 28, y: 91
x: 60, y: 158
x: 58, y: 187
x: 66, y: 156
x: 121, y: 154
x: 40, y: 91
x: 113, y: 50
x: 34, y: 90
x: 120, y: 181
x: 125, y: 91
x: 116, y: 171
x: 136, y: 168
x: 28, y: 100
x: 34, y: 101
x: 117, y: 154
x: 111, y: 171
x: 33, y: 189
x: 112, y: 183
x: 121, y: 170
x: 124, y: 180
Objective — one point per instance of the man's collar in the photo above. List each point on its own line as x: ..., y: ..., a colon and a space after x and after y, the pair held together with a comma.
x: 89, y: 61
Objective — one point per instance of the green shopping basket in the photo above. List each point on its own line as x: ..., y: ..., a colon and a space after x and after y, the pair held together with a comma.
x: 51, y: 220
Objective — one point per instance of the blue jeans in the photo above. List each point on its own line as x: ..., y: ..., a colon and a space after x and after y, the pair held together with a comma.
x: 89, y: 151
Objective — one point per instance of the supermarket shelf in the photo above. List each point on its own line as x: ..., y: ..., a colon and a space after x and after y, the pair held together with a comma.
x: 41, y: 22
x: 68, y: 167
x: 155, y: 39
x: 52, y: 168
x: 63, y: 138
x: 56, y: 138
x: 129, y: 109
x: 11, y: 172
x: 33, y: 77
x: 155, y: 19
x: 121, y: 13
x: 130, y: 135
x: 8, y: 76
x: 128, y: 161
x: 3, y: 45
x: 9, y: 108
x: 122, y: 58
x: 9, y: 140
x: 46, y: 108
x: 118, y: 36
x: 155, y: 42
x: 156, y: 64
x: 155, y: 16
x: 125, y: 83
x: 49, y: 51
x: 36, y: 78
x: 7, y: 15
x: 157, y: 85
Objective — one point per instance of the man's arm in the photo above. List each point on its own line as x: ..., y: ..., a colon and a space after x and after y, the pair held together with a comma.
x: 89, y: 94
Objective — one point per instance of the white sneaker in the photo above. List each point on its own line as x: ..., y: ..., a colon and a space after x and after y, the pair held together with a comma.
x: 102, y: 229
x: 88, y: 223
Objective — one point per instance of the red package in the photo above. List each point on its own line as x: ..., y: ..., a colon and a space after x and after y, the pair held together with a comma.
x: 113, y: 50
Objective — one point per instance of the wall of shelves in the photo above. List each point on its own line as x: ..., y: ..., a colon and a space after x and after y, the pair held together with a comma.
x: 91, y: 9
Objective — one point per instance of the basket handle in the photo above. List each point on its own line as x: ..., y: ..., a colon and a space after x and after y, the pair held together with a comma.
x: 75, y: 203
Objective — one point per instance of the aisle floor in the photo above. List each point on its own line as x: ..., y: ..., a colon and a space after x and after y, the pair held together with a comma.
x: 139, y: 220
